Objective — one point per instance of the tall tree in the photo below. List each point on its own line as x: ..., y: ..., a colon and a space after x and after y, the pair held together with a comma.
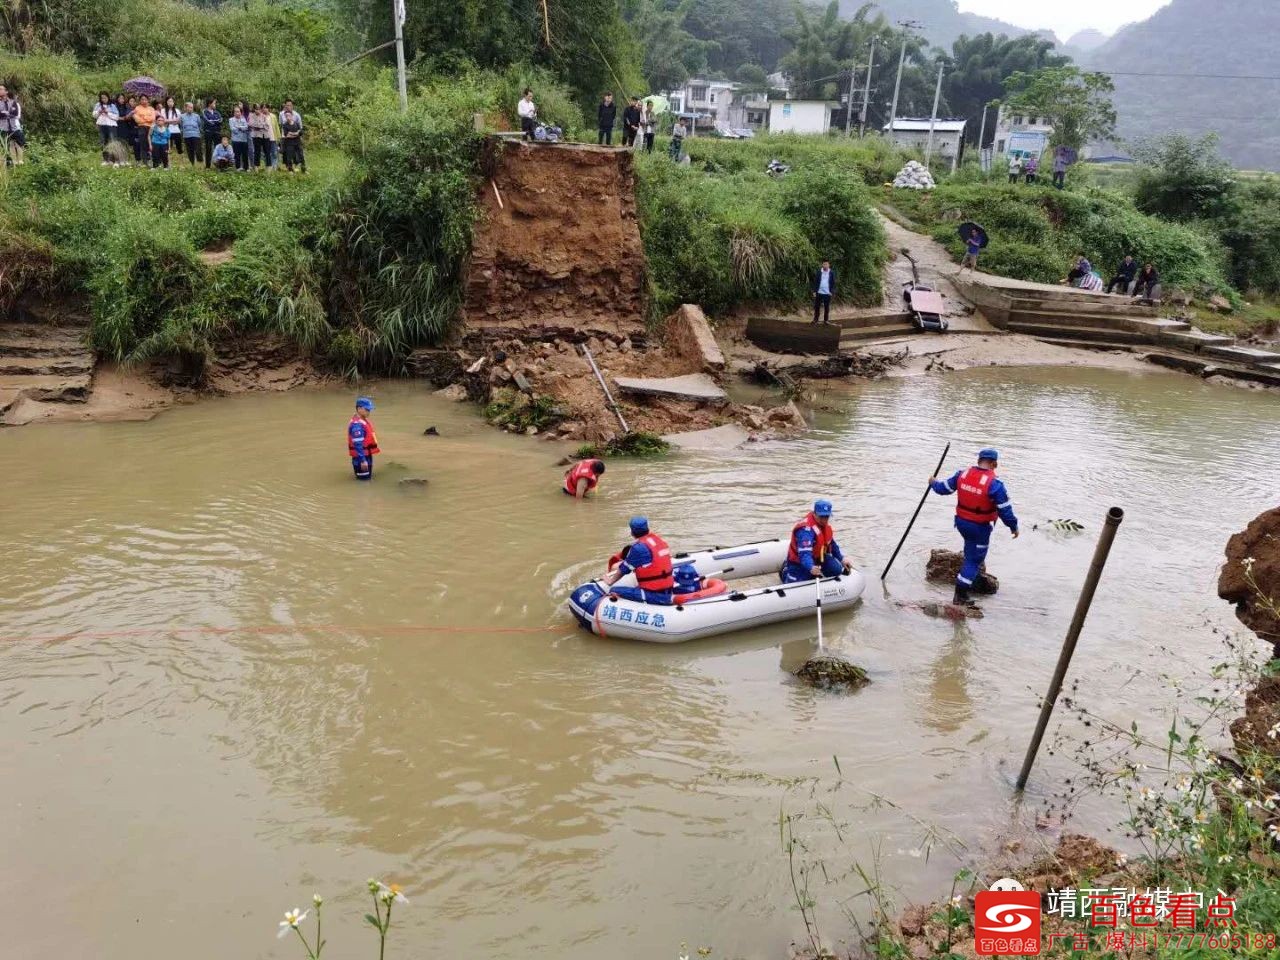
x: 1078, y: 104
x: 671, y: 54
x: 977, y: 67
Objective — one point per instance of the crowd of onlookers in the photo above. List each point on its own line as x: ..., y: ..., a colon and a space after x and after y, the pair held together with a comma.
x: 153, y: 133
x: 1028, y: 168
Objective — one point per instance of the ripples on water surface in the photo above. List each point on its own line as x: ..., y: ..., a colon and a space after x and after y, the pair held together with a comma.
x: 230, y: 676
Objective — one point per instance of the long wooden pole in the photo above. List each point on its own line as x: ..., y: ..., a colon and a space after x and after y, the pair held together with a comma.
x: 919, y: 506
x: 603, y: 386
x: 1114, y: 516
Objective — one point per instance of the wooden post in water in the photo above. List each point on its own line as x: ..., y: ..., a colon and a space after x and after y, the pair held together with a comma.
x: 1100, y: 553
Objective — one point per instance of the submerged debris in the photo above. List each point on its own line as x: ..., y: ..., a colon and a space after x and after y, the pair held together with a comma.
x: 833, y: 673
x: 944, y: 565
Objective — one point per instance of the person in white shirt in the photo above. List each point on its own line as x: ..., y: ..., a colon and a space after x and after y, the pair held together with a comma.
x: 289, y: 108
x: 105, y: 117
x: 528, y: 113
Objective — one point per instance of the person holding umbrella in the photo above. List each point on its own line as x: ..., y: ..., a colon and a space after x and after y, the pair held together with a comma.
x: 975, y: 238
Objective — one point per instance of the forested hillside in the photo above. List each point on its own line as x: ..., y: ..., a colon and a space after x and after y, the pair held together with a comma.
x: 1201, y: 37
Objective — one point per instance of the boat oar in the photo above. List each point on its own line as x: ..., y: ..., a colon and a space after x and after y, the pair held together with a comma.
x: 919, y: 507
x: 818, y: 583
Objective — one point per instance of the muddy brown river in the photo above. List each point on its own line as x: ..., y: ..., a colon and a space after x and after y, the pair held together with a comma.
x: 230, y: 676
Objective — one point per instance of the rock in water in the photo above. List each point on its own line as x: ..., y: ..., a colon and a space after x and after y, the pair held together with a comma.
x: 943, y: 566
x: 833, y: 673
x: 431, y: 432
x: 413, y: 483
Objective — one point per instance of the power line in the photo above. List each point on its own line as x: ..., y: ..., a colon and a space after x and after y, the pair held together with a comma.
x: 1184, y: 76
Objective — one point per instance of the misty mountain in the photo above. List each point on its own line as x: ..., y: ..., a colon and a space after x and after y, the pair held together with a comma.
x: 942, y: 20
x: 1220, y: 37
x: 1087, y: 41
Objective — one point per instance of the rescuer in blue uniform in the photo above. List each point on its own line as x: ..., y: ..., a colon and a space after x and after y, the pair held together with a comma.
x: 813, y: 551
x: 980, y: 499
x: 649, y: 558
x: 362, y: 442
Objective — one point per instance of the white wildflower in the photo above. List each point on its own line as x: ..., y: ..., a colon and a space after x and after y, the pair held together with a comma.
x: 1225, y: 858
x: 1121, y: 859
x: 290, y: 922
x: 390, y: 893
x: 1235, y: 784
x: 1184, y: 785
x: 1273, y: 831
x: 1274, y: 731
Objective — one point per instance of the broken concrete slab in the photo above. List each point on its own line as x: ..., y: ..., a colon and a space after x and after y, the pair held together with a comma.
x: 1246, y: 355
x: 692, y: 386
x: 716, y: 440
x: 689, y: 335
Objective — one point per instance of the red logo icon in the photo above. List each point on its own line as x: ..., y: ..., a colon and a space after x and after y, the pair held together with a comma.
x: 1007, y: 922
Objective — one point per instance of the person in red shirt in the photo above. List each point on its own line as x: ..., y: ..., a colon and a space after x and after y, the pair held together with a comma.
x: 583, y: 478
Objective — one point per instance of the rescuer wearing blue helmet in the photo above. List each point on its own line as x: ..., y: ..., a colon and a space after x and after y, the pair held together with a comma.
x: 362, y: 442
x: 981, y: 498
x: 649, y: 558
x: 813, y: 551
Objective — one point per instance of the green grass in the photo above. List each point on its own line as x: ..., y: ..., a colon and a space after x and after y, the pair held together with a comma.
x: 721, y: 233
x: 1036, y: 233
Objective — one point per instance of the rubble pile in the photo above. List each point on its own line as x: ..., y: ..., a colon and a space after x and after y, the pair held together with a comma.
x: 914, y: 176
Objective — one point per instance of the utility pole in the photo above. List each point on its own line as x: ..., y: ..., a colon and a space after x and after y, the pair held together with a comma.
x: 848, y: 103
x: 402, y: 81
x: 933, y: 117
x: 982, y: 131
x: 866, y: 93
x: 907, y: 26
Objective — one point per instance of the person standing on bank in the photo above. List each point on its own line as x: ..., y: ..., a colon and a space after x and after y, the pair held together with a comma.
x: 631, y: 123
x: 606, y: 118
x: 159, y: 144
x: 362, y: 441
x: 824, y: 287
x: 189, y: 125
x: 647, y: 125
x: 106, y: 117
x: 528, y: 111
x: 981, y: 499
x: 211, y: 123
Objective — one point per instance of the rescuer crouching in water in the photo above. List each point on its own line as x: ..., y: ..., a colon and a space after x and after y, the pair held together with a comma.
x: 980, y: 499
x: 650, y: 558
x: 813, y: 552
x: 362, y: 442
x: 583, y: 477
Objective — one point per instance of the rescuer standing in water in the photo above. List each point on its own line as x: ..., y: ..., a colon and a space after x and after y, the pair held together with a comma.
x: 980, y: 499
x: 362, y: 442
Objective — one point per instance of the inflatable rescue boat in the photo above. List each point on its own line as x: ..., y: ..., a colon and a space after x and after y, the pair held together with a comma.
x: 717, y: 608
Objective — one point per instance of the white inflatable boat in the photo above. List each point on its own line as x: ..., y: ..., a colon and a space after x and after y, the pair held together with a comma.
x: 718, y: 608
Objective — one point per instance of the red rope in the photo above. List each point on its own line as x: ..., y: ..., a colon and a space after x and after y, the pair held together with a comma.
x: 273, y: 628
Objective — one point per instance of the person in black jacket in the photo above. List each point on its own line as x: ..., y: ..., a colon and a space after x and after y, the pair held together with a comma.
x: 824, y: 285
x: 606, y: 116
x: 1148, y: 283
x: 631, y: 123
x: 1124, y: 274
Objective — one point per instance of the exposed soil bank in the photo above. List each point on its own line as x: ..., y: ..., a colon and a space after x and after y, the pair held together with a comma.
x: 261, y: 363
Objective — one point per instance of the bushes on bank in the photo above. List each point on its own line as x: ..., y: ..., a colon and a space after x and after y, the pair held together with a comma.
x: 1037, y: 232
x: 721, y: 232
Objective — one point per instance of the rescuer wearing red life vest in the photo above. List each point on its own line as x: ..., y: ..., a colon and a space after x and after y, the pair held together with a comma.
x: 650, y: 558
x: 980, y: 499
x: 813, y: 551
x: 583, y: 477
x: 362, y: 442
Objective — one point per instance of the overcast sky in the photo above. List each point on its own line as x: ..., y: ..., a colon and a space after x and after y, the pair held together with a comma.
x: 1066, y: 17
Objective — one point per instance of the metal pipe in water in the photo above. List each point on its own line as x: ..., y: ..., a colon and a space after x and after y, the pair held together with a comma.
x: 1100, y: 553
